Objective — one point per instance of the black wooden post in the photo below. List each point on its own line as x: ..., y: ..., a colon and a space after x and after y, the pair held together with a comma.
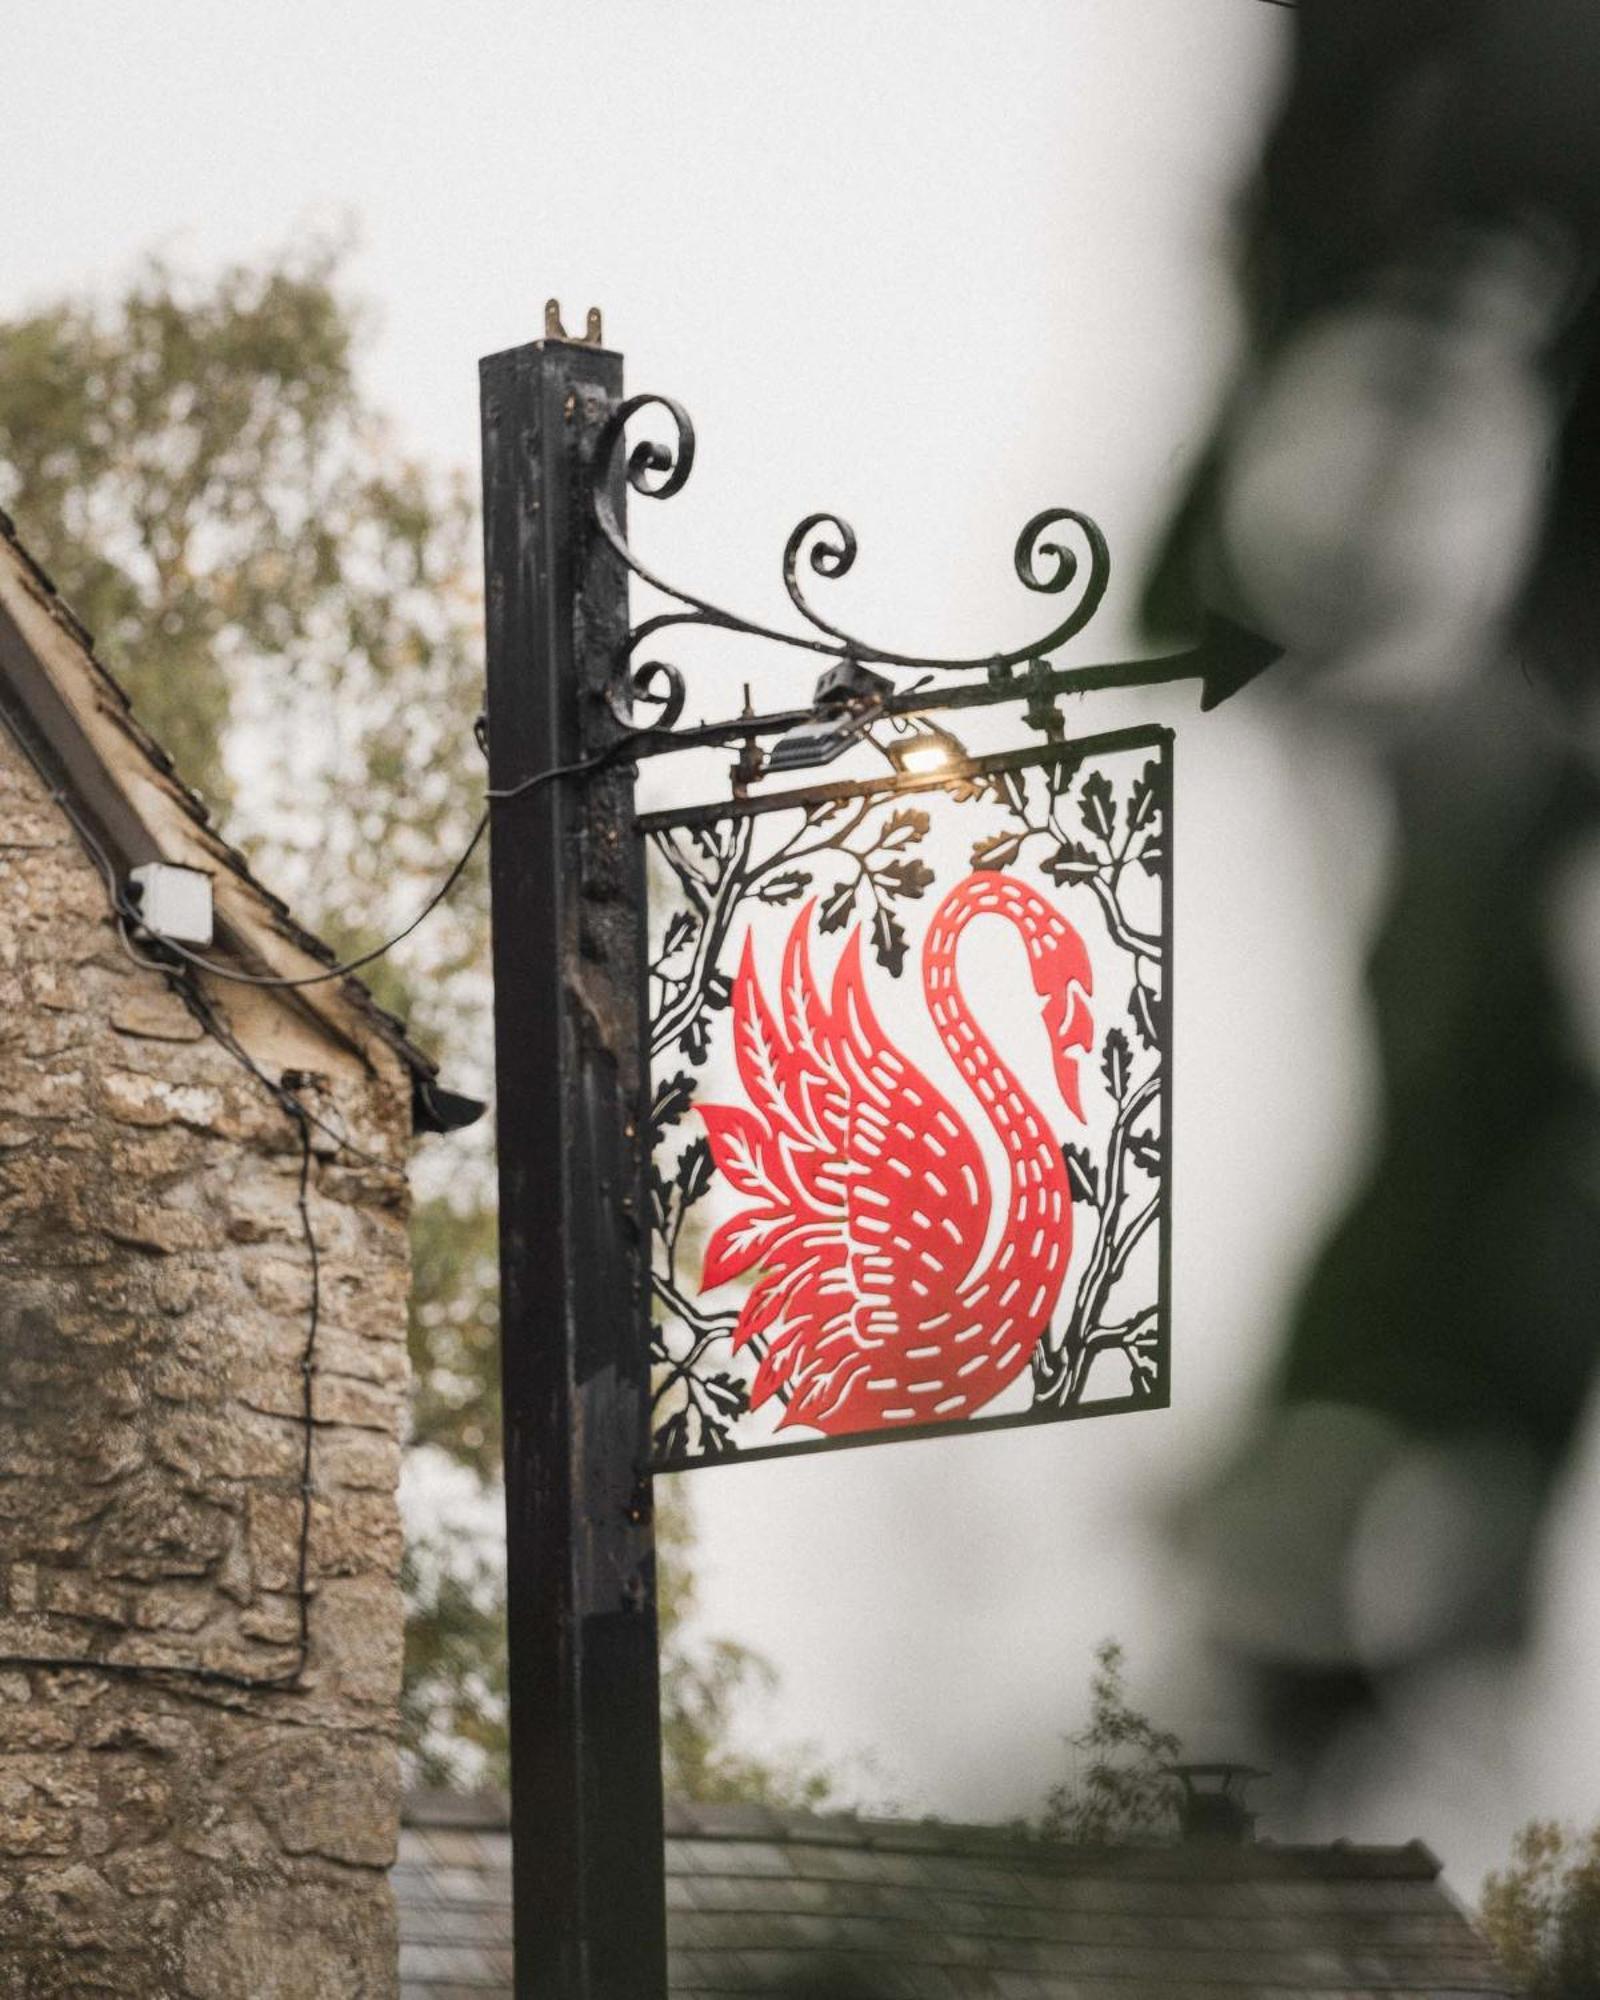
x: 568, y: 900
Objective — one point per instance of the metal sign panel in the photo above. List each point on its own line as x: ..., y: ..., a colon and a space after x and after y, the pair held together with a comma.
x: 910, y: 1103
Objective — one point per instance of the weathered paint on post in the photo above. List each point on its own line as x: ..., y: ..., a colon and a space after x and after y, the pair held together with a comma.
x: 568, y: 902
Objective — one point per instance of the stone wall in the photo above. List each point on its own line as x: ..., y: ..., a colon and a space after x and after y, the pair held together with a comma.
x: 162, y: 1832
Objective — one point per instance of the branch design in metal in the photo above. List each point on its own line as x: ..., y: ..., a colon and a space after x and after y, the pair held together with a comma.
x: 826, y: 546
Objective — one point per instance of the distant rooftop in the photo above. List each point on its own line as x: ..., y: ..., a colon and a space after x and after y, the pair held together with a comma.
x: 810, y: 1907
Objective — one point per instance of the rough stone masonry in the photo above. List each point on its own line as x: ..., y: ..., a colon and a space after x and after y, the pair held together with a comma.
x: 162, y: 1833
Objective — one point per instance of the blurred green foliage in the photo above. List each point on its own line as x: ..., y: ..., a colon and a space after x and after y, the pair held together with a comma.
x: 455, y: 1332
x: 1121, y: 1791
x: 704, y: 1685
x: 455, y: 1680
x: 1541, y: 1913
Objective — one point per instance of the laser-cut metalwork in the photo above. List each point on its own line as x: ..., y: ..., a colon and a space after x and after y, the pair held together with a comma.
x: 902, y: 1185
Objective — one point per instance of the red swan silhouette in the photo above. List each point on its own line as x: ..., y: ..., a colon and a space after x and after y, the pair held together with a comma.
x: 869, y: 1199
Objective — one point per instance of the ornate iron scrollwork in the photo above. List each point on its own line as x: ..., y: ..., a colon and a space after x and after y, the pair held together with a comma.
x: 822, y: 543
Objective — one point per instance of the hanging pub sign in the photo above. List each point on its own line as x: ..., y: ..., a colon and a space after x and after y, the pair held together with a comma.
x: 910, y: 1102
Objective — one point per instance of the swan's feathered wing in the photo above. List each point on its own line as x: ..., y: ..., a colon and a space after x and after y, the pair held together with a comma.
x: 867, y: 1198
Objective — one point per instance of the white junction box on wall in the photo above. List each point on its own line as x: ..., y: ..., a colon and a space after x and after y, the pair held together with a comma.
x: 173, y: 902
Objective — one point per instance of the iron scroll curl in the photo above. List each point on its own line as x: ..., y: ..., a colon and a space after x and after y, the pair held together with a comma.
x: 826, y: 545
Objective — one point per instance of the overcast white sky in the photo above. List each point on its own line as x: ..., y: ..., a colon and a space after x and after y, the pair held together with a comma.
x: 936, y: 266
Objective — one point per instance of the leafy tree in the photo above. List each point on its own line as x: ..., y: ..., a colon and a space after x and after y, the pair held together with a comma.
x: 294, y: 606
x: 455, y: 1332
x: 1121, y: 1792
x: 454, y: 1704
x: 704, y: 1686
x: 453, y: 1692
x: 283, y: 593
x: 1542, y: 1912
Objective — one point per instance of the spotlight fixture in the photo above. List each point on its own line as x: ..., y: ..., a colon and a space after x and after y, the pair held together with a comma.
x: 848, y: 699
x: 925, y: 752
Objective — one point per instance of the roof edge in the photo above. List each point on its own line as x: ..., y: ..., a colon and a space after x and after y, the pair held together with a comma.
x: 489, y: 1812
x: 75, y: 752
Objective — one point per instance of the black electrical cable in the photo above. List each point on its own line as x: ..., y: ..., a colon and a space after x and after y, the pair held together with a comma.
x: 173, y: 1678
x: 308, y: 1409
x: 182, y: 982
x: 219, y: 971
x: 505, y: 793
x: 613, y: 755
x: 303, y: 1119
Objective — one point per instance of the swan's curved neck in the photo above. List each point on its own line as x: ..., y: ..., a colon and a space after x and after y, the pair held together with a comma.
x: 1038, y: 1196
